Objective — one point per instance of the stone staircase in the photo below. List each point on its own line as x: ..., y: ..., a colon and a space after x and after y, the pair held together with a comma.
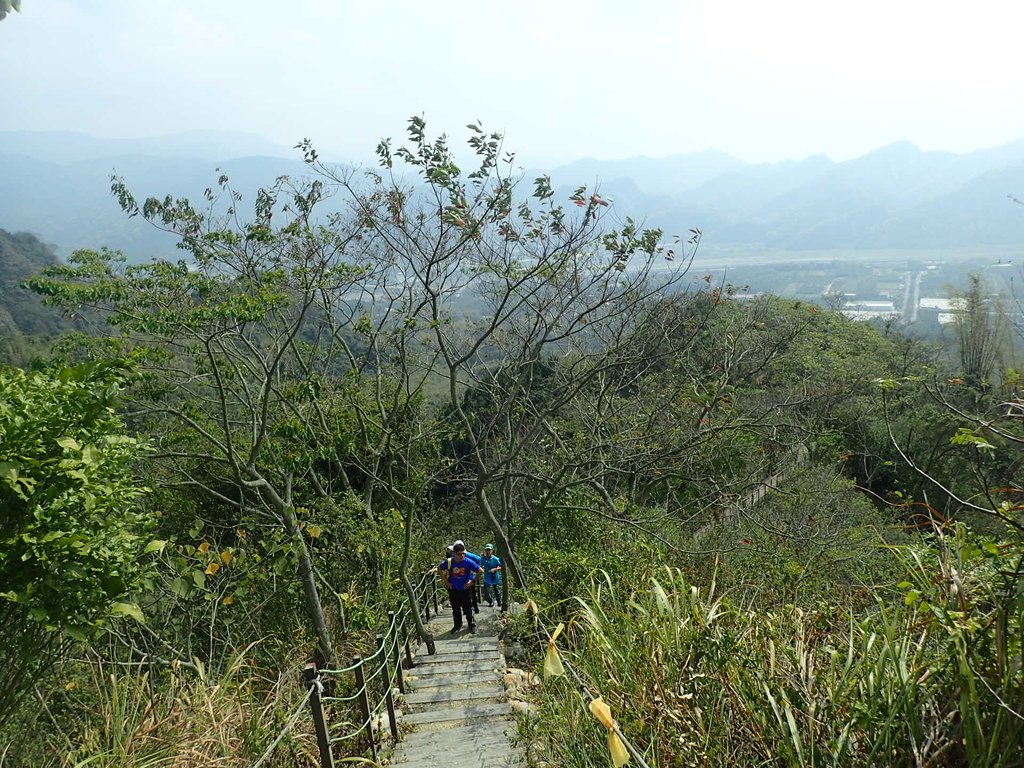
x: 456, y: 714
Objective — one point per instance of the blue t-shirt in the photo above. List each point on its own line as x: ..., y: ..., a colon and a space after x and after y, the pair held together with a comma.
x: 491, y: 562
x: 461, y: 572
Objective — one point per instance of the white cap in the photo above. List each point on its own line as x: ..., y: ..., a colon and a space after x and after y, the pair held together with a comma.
x: 457, y: 542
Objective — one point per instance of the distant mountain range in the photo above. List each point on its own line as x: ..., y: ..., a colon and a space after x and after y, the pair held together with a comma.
x: 57, y: 185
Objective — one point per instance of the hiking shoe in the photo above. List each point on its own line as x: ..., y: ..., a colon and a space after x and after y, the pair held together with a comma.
x: 453, y: 630
x: 472, y: 629
x: 490, y: 605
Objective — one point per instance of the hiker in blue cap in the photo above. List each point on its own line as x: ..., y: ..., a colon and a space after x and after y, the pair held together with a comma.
x: 490, y: 563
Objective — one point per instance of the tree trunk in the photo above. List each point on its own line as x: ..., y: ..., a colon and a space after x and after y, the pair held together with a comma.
x: 410, y: 591
x: 312, y: 597
x: 503, y: 542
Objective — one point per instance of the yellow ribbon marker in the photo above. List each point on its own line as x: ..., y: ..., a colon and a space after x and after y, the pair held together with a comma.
x: 603, y: 713
x: 552, y: 663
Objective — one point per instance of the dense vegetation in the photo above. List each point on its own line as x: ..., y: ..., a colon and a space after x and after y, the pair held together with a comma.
x: 811, y: 525
x: 24, y: 322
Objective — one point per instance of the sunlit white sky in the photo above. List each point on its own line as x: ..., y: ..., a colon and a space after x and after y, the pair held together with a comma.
x: 761, y: 80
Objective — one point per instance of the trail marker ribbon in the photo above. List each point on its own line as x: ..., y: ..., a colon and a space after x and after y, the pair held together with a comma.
x: 616, y: 748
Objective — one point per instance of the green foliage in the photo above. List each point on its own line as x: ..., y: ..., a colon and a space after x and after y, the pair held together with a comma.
x: 23, y: 318
x: 104, y: 716
x: 562, y: 551
x: 815, y: 538
x: 72, y: 533
x: 980, y: 333
x: 483, y: 360
x: 694, y: 680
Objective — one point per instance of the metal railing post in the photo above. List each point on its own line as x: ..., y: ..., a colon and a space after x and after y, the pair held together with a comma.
x: 323, y: 740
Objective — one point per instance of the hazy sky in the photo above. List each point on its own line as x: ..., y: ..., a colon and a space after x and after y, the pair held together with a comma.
x: 759, y: 79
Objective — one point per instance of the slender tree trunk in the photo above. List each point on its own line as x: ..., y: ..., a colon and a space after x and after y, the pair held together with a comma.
x: 410, y: 591
x: 314, y: 607
x: 504, y: 544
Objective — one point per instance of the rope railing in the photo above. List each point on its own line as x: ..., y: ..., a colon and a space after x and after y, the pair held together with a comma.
x: 359, y: 712
x: 587, y: 688
x: 284, y: 731
x: 374, y: 692
x: 386, y: 661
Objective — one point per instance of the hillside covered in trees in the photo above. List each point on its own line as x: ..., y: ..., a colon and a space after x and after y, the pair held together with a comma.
x: 774, y: 535
x: 22, y: 313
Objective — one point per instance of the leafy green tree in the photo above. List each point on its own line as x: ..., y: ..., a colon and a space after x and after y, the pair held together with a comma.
x: 229, y: 382
x: 979, y: 330
x: 266, y: 385
x: 547, y: 284
x: 72, y: 534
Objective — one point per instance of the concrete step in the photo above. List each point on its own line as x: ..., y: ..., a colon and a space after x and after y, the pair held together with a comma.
x: 456, y: 668
x: 445, y: 717
x: 455, y: 705
x: 440, y: 698
x: 460, y: 656
x: 497, y: 757
x: 463, y: 681
x: 454, y: 744
x: 460, y: 643
x: 467, y: 736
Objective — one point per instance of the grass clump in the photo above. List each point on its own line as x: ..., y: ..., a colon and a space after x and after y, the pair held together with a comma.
x: 695, y: 677
x: 111, y: 716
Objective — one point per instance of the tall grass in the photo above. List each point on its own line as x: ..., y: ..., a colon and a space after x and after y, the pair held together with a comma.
x: 932, y: 678
x: 117, y: 717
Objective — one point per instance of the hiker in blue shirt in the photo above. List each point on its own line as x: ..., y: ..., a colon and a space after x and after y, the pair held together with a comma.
x: 476, y: 587
x: 460, y: 575
x: 491, y: 565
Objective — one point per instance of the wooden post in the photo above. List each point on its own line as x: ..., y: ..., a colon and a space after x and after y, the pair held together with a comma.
x: 323, y: 739
x: 408, y: 653
x: 433, y: 592
x: 399, y: 633
x: 364, y: 703
x: 386, y: 662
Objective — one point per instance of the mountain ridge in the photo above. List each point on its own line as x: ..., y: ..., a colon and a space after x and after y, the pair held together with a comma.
x: 897, y: 196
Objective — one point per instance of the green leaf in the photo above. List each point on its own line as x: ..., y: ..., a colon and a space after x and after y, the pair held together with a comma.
x: 155, y: 546
x: 8, y: 472
x: 965, y: 436
x: 128, y: 609
x: 69, y: 443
